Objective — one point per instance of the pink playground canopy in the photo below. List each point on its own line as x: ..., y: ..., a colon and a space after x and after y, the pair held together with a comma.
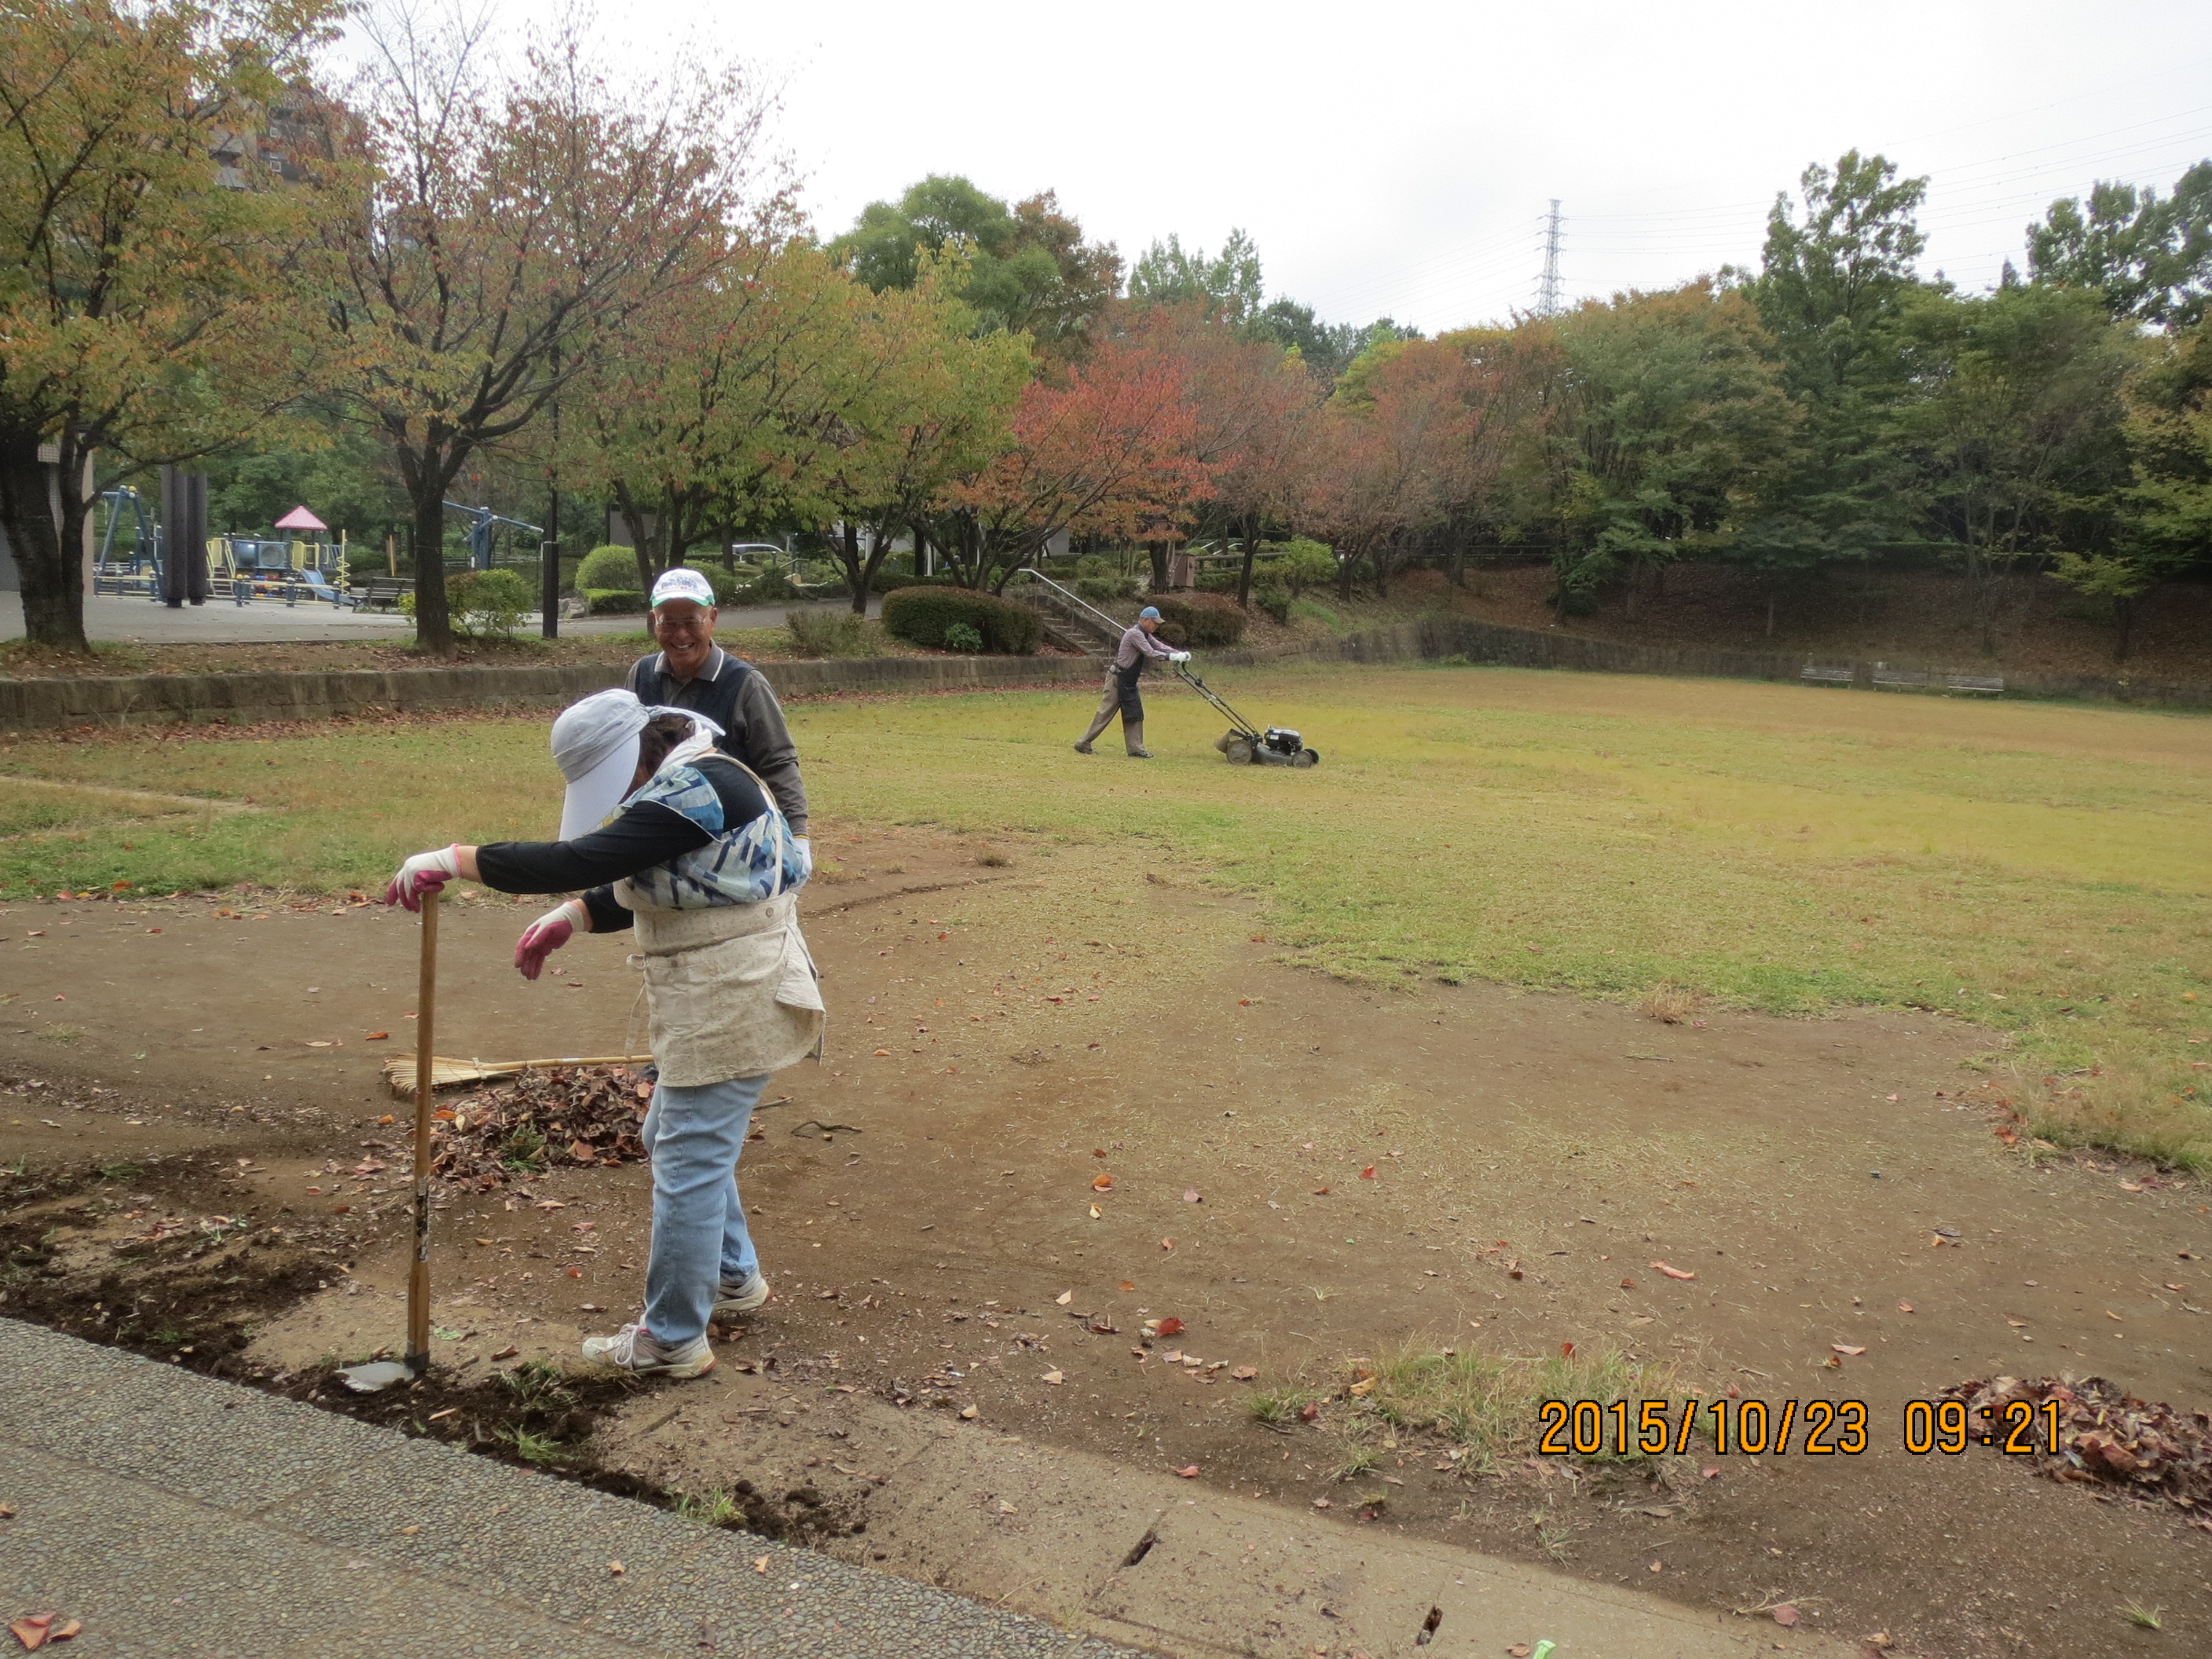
x: 299, y: 519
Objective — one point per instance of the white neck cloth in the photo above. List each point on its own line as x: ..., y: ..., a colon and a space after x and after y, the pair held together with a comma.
x: 595, y: 745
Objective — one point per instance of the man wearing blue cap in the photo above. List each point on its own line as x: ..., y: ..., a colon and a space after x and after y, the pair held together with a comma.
x: 691, y: 672
x: 1121, y: 697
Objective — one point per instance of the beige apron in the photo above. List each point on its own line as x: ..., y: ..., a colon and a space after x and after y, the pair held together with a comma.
x: 730, y: 991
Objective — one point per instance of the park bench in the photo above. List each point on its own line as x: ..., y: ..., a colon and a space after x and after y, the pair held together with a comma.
x: 1990, y: 683
x: 380, y: 593
x: 1910, y: 678
x: 1822, y: 674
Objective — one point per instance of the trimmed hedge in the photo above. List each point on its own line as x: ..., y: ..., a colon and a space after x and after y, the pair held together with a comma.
x: 615, y: 601
x: 1201, y: 620
x: 921, y: 616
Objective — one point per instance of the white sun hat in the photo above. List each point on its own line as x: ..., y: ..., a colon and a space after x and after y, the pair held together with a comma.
x: 595, y: 746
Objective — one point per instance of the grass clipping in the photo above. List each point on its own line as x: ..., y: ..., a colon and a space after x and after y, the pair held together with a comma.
x: 1485, y: 1408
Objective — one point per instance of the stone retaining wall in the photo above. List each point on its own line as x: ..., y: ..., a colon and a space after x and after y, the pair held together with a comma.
x: 249, y: 699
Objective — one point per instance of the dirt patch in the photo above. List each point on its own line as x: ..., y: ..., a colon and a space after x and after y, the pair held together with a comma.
x: 1308, y: 1175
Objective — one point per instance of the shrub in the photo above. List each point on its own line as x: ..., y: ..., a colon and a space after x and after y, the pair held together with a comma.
x: 1273, y: 598
x: 769, y: 587
x: 1218, y: 581
x: 921, y: 616
x: 1298, y: 563
x: 607, y: 569
x: 614, y: 601
x: 1099, y: 589
x: 827, y: 633
x: 489, y: 604
x: 958, y: 636
x: 1203, y: 620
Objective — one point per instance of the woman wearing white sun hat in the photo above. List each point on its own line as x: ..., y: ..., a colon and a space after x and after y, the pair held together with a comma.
x: 684, y: 844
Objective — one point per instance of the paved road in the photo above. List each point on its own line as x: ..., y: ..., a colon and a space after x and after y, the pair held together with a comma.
x: 179, y: 1517
x: 141, y: 622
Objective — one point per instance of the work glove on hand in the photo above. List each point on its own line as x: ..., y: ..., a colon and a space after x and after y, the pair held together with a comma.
x: 805, y: 848
x: 426, y: 873
x: 548, y: 934
x: 1178, y: 656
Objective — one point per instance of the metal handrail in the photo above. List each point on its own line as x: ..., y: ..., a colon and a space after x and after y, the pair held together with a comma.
x: 1078, y: 600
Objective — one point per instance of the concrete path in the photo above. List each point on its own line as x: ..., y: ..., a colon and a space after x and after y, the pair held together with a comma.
x: 178, y: 1517
x: 141, y: 622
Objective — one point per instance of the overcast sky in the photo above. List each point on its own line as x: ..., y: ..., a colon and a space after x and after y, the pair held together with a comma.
x: 1397, y: 157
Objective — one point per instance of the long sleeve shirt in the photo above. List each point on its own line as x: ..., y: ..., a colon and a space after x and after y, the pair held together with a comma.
x: 1136, y: 645
x: 644, y: 834
x: 736, y: 697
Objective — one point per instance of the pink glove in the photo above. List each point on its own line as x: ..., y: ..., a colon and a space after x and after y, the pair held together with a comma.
x: 426, y: 873
x: 546, y: 935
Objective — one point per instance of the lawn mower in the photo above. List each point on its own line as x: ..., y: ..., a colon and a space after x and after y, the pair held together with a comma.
x: 1247, y: 745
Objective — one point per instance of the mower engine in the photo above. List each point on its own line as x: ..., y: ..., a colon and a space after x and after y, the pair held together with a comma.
x: 1282, y: 740
x: 1276, y: 746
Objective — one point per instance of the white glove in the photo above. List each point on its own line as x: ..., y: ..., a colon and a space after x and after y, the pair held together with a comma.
x: 426, y: 873
x: 548, y: 934
x: 1178, y: 656
x: 805, y: 848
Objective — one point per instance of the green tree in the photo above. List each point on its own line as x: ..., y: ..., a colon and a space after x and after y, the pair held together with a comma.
x: 1676, y: 416
x: 1834, y: 283
x: 346, y: 481
x: 1028, y: 268
x: 2019, y: 441
x: 2149, y: 255
x: 1326, y: 349
x: 2165, y: 512
x: 151, y: 215
x: 1226, y: 286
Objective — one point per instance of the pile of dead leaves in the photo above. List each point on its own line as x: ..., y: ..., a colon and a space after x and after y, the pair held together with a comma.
x: 2105, y: 1435
x: 570, y: 1116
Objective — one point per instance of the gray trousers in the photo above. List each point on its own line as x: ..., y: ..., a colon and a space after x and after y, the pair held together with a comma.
x: 1121, y: 697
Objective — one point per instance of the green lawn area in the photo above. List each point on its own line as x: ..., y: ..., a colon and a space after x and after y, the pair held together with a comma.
x: 2041, y: 869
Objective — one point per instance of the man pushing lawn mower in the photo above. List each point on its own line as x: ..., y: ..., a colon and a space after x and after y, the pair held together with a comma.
x: 685, y: 843
x: 1137, y: 647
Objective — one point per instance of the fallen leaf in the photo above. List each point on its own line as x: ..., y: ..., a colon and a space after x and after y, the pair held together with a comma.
x: 1786, y: 1616
x: 1095, y: 1212
x: 1672, y: 1273
x: 1310, y: 1413
x: 2131, y: 1187
x: 318, y: 1045
x: 1322, y: 1503
x: 32, y: 1631
x: 967, y: 1413
x: 508, y: 1353
x: 1566, y: 1351
x: 1845, y: 1347
x: 1368, y: 1173
x: 2017, y: 1324
x: 883, y: 1051
x: 1104, y: 1184
x: 1190, y: 1197
x: 1521, y: 1650
x: 1168, y: 1326
x: 67, y: 1628
x: 1065, y: 1298
x: 1188, y: 1471
x: 760, y: 1564
x: 1005, y: 1508
x: 1832, y: 1364
x: 1167, y: 1243
x: 1056, y: 1379
x: 1904, y: 1307
x: 1245, y: 1373
x: 1711, y: 1472
x: 1320, y: 1192
x: 617, y: 1568
x: 377, y: 1036
x: 1627, y: 1284
x: 1128, y: 1285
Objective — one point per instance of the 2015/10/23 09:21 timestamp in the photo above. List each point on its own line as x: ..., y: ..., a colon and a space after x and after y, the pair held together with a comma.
x: 1819, y: 1428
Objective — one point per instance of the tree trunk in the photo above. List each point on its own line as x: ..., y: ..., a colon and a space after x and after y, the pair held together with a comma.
x: 2123, y: 620
x: 47, y: 557
x: 1159, y: 555
x: 433, y: 624
x: 1770, y: 610
x: 1344, y: 568
x: 1244, y: 572
x: 856, y: 573
x: 1628, y: 594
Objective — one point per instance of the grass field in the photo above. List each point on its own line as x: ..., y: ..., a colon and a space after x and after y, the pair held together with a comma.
x: 2042, y: 870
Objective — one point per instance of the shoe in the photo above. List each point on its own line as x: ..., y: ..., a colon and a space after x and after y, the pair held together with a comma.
x: 1140, y: 754
x: 730, y: 1300
x: 633, y: 1349
x: 1082, y: 747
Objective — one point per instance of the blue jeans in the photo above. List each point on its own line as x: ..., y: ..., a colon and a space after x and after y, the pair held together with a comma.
x: 695, y: 1138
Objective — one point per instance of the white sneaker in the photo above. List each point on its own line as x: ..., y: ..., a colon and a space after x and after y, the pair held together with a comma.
x: 730, y: 1300
x: 635, y: 1349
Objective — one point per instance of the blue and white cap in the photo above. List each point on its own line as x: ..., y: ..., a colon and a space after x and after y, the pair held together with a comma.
x: 1150, y: 611
x: 683, y: 583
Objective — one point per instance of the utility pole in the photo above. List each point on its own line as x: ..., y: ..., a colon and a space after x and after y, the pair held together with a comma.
x: 1547, y: 286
